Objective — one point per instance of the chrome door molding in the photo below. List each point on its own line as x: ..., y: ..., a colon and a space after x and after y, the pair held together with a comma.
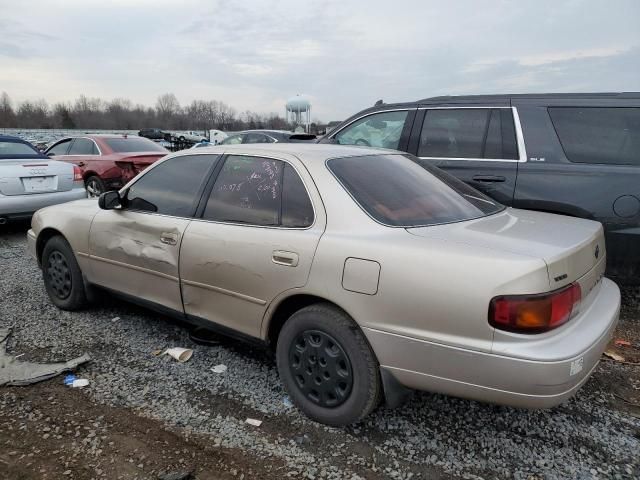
x: 522, y: 151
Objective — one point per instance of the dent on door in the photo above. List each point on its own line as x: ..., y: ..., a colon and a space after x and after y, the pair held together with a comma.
x: 137, y: 254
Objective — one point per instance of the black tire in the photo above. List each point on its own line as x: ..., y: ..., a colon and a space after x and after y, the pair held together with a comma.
x: 62, y: 275
x: 338, y: 362
x: 95, y: 186
x: 182, y: 139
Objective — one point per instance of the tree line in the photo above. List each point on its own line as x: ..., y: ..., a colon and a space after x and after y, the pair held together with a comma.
x: 122, y: 114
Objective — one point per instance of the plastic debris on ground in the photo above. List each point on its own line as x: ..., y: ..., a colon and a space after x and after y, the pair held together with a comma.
x: 219, y: 368
x: 614, y: 356
x: 115, y: 319
x: 621, y: 342
x: 178, y: 353
x: 254, y: 422
x: 287, y: 402
x: 18, y: 373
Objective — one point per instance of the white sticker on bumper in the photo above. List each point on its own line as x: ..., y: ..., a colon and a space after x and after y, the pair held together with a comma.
x: 576, y: 366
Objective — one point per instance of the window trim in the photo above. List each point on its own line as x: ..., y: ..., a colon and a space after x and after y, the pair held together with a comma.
x: 73, y: 139
x: 520, y: 145
x: 198, y: 196
x: 212, y: 180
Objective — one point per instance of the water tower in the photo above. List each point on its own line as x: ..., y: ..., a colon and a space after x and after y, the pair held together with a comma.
x: 298, y: 111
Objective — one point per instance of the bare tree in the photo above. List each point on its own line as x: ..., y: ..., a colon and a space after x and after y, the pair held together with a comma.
x: 7, y: 115
x: 167, y: 108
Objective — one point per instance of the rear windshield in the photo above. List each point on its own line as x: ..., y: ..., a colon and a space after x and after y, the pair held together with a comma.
x: 17, y: 150
x: 133, y: 145
x: 401, y: 191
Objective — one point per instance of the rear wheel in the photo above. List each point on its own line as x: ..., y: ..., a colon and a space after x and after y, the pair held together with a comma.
x: 327, y: 366
x: 95, y: 186
x: 62, y: 275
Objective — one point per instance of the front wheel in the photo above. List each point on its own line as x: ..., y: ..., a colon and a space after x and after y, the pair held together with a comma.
x: 62, y: 275
x: 95, y: 186
x: 327, y: 366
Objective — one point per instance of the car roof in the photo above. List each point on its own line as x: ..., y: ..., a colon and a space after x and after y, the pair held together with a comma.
x: 12, y: 138
x: 306, y: 152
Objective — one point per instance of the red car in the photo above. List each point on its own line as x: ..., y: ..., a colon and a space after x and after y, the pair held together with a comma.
x: 107, y: 162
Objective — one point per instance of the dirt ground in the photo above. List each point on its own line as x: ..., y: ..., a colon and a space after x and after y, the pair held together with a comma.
x: 50, y: 431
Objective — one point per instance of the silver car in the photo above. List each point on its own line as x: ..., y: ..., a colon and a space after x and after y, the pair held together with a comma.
x: 369, y: 273
x: 29, y: 180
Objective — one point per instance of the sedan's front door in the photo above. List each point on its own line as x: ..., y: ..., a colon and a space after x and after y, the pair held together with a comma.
x: 135, y: 250
x: 256, y: 239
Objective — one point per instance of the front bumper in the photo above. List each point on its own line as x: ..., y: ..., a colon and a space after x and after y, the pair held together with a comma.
x: 16, y: 207
x: 499, y: 378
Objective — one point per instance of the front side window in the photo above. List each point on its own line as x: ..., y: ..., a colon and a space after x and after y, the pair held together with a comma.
x: 378, y: 130
x: 400, y: 191
x: 60, y: 148
x: 468, y: 133
x: 259, y: 191
x: 83, y: 146
x: 598, y: 135
x: 133, y: 145
x: 171, y: 187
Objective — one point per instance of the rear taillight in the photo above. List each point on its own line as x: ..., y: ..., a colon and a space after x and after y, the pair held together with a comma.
x: 535, y: 313
x: 77, y: 174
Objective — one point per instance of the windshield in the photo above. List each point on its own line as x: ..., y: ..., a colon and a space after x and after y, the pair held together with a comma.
x: 10, y: 149
x: 133, y: 145
x: 398, y: 191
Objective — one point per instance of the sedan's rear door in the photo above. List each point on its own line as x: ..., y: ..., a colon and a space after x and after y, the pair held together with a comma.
x: 479, y: 145
x: 256, y: 238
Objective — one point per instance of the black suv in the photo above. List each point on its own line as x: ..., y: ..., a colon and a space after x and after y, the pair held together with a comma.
x: 572, y: 154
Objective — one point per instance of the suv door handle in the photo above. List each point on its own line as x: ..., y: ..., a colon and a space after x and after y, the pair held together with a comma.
x: 169, y: 238
x: 488, y: 178
x: 282, y: 257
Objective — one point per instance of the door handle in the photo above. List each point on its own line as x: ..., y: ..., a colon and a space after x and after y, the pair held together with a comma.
x: 282, y: 257
x: 169, y: 238
x: 488, y: 178
x: 80, y: 164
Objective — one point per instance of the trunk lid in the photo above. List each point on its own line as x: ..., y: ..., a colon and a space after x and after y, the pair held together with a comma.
x: 33, y: 176
x: 134, y: 163
x: 570, y: 247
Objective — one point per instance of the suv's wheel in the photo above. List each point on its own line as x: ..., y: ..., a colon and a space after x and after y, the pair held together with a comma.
x: 95, y: 186
x: 62, y: 275
x: 327, y: 366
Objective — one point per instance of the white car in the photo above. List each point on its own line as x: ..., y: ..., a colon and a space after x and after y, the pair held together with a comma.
x: 189, y: 136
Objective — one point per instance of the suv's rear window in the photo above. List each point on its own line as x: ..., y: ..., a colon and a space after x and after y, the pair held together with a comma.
x: 398, y: 191
x: 599, y: 135
x: 133, y: 145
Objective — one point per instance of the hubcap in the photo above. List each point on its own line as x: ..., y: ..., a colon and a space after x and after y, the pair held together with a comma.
x: 320, y: 368
x: 93, y: 189
x: 59, y: 275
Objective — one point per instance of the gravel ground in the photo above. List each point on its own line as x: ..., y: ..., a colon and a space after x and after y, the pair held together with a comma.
x: 595, y: 435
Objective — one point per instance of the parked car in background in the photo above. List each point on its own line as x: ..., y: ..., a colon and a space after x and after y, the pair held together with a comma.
x: 154, y: 134
x: 107, y: 162
x: 367, y: 273
x: 267, y: 136
x: 217, y: 136
x: 29, y: 180
x: 573, y: 154
x: 190, y: 136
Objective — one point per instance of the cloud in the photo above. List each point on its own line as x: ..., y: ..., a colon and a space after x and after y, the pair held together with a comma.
x: 344, y: 55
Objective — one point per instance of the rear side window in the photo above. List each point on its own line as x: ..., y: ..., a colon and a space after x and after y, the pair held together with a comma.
x: 397, y: 191
x: 133, y: 145
x: 598, y: 135
x: 249, y: 190
x: 171, y: 187
x: 378, y: 130
x: 468, y: 133
x: 7, y: 149
x: 83, y: 146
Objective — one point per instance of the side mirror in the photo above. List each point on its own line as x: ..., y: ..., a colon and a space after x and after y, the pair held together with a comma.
x: 109, y: 200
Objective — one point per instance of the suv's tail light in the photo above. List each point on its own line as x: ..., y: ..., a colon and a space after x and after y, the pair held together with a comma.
x: 535, y: 313
x: 77, y: 174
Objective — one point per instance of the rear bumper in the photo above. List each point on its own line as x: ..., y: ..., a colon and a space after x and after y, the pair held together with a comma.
x: 502, y: 379
x: 17, y: 207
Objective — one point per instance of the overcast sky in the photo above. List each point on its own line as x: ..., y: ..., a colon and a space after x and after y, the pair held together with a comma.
x: 345, y: 54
